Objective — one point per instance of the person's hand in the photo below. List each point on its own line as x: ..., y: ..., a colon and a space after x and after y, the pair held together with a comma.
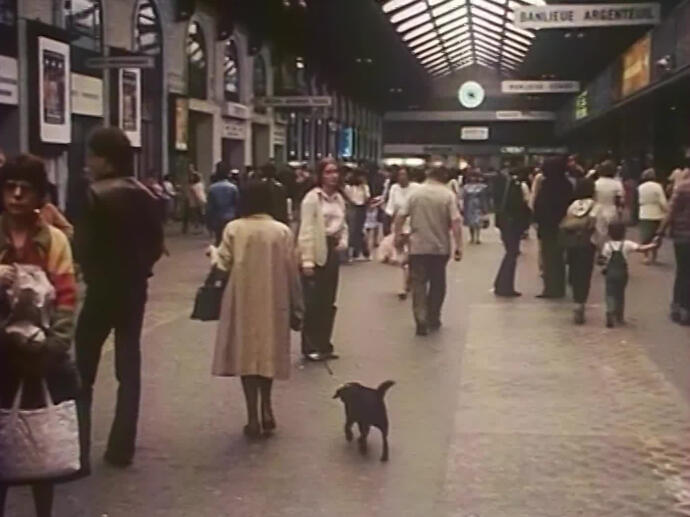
x: 308, y: 272
x: 458, y: 255
x: 8, y: 274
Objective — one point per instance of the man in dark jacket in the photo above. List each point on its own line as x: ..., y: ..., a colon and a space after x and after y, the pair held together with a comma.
x: 119, y: 240
x: 223, y: 202
x: 279, y: 208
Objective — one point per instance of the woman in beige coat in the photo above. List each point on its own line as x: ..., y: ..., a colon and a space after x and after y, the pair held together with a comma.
x: 262, y: 301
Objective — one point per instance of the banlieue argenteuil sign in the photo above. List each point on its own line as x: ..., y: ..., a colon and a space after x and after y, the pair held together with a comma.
x: 567, y: 16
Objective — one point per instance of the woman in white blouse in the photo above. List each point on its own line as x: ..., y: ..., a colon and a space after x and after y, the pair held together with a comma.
x: 653, y: 209
x: 397, y: 203
x: 323, y: 235
x: 609, y: 194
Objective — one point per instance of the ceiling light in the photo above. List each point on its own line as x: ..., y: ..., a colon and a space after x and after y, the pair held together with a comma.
x: 417, y: 20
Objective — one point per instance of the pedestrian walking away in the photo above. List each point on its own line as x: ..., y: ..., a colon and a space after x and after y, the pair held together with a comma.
x: 253, y: 339
x: 117, y: 243
x: 433, y: 212
x: 223, y: 202
x: 323, y: 235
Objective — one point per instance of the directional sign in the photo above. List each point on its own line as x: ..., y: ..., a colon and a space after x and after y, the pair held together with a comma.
x: 531, y: 87
x: 296, y: 101
x: 568, y: 16
x: 121, y: 62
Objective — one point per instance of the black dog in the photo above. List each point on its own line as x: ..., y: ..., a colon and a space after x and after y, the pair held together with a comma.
x: 365, y: 406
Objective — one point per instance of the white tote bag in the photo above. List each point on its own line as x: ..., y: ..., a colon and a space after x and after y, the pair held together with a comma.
x: 40, y: 443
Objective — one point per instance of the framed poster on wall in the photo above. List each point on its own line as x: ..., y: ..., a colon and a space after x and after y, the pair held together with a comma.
x: 130, y: 104
x: 181, y: 124
x: 54, y: 97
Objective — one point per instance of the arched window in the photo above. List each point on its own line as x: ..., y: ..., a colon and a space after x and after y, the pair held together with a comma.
x: 83, y: 19
x: 196, y: 61
x: 231, y: 72
x: 147, y: 29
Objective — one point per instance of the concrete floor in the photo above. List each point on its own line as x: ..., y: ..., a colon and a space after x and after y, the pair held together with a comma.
x: 509, y: 411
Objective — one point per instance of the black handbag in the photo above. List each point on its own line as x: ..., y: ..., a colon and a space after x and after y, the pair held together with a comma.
x: 210, y: 296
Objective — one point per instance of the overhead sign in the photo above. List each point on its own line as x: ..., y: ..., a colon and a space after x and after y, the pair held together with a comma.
x: 130, y: 104
x: 582, y: 106
x: 9, y: 81
x: 513, y: 150
x: 567, y: 16
x: 87, y: 95
x: 295, y: 101
x: 474, y: 133
x: 636, y: 70
x: 121, y: 62
x: 236, y: 110
x: 181, y: 123
x: 234, y: 130
x: 524, y: 87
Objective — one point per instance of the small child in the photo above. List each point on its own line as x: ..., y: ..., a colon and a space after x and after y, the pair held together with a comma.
x: 615, y: 254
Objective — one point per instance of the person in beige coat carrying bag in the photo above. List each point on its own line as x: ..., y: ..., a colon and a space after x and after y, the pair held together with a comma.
x: 323, y: 235
x: 262, y: 301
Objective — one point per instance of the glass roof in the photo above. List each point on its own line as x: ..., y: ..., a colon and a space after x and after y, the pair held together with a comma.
x: 447, y: 35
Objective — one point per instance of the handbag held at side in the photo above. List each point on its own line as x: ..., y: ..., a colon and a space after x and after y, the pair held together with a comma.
x: 210, y: 296
x: 38, y: 444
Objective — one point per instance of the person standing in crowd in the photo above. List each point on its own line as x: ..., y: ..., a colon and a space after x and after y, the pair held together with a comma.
x: 609, y: 194
x: 475, y: 205
x: 171, y: 192
x: 397, y: 204
x: 433, y: 212
x: 653, y: 209
x: 223, y: 202
x: 51, y: 215
x: 678, y: 219
x: 676, y: 176
x: 253, y: 338
x: 323, y: 234
x: 358, y: 196
x: 117, y: 243
x: 552, y: 202
x: 574, y: 170
x: 512, y: 219
x: 27, y: 239
x: 577, y: 236
x: 195, y: 200
x: 304, y: 182
x: 279, y: 204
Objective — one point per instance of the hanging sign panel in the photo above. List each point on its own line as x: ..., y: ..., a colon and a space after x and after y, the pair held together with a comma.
x: 181, y: 123
x: 474, y: 133
x: 87, y: 95
x: 130, y: 104
x: 567, y: 16
x: 531, y: 87
x: 636, y: 72
x: 54, y: 95
x: 296, y: 101
x: 9, y: 80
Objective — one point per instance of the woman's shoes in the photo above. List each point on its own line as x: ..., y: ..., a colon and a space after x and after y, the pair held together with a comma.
x: 268, y: 424
x: 579, y: 317
x: 252, y: 431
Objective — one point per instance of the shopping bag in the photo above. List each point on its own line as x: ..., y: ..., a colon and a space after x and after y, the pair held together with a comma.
x: 210, y: 296
x: 38, y: 444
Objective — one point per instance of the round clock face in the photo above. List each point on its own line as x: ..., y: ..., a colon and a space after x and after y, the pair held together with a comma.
x: 471, y: 94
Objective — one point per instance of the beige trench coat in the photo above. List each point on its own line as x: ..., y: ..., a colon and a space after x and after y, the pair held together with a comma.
x: 263, y: 291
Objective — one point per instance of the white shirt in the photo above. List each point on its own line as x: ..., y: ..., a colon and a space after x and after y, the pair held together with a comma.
x: 398, y: 202
x: 625, y: 246
x: 358, y: 194
x: 606, y: 190
x: 333, y: 212
x: 653, y: 203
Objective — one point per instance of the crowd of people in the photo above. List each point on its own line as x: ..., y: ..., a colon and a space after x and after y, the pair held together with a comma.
x: 279, y: 239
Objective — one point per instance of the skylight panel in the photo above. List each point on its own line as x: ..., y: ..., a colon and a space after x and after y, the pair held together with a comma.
x: 442, y: 20
x: 500, y: 11
x: 392, y: 5
x: 418, y: 41
x: 457, y: 32
x: 487, y: 25
x: 518, y: 39
x: 436, y: 61
x: 431, y: 44
x: 514, y: 28
x: 418, y: 31
x: 491, y: 41
x: 513, y: 53
x: 460, y: 47
x: 430, y: 52
x: 486, y: 15
x: 517, y: 46
x: 495, y: 36
x: 417, y: 20
x: 417, y: 8
x: 450, y: 6
x: 462, y: 22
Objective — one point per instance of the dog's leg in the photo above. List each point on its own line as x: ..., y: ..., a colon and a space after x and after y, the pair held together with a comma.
x: 363, y: 433
x: 348, y: 430
x: 384, y: 434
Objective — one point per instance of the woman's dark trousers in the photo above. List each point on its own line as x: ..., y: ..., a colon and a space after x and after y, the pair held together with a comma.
x: 505, y: 279
x: 581, y: 266
x: 358, y: 215
x: 554, y: 267
x: 320, y: 292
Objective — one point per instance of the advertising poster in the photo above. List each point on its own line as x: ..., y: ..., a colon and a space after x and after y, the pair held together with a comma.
x: 55, y: 92
x: 636, y: 70
x: 181, y: 123
x: 130, y: 104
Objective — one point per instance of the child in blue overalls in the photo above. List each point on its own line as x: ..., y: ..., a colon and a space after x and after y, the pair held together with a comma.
x: 615, y: 253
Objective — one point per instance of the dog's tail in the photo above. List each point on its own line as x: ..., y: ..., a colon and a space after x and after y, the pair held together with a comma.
x: 383, y: 388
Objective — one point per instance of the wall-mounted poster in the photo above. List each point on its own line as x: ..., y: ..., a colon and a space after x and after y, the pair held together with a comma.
x: 181, y: 123
x: 54, y: 95
x: 636, y: 71
x: 130, y: 104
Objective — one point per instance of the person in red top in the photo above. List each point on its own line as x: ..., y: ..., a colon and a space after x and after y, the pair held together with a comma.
x: 25, y: 239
